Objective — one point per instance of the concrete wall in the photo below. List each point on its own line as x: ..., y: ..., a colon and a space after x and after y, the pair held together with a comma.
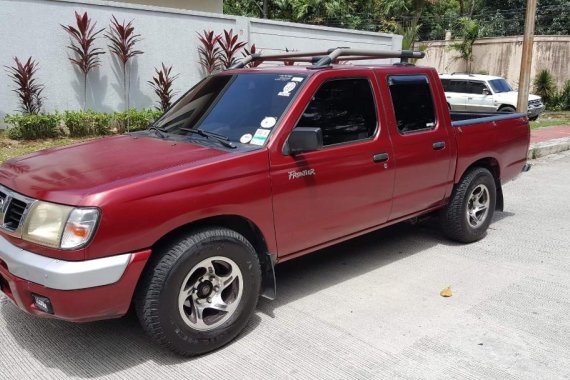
x: 215, y: 6
x: 32, y: 28
x: 502, y: 56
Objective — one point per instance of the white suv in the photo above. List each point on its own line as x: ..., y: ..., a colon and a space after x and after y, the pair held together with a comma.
x: 485, y: 93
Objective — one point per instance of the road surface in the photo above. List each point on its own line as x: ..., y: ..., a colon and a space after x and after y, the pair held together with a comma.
x: 369, y: 308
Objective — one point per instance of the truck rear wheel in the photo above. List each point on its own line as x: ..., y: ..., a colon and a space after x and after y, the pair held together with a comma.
x: 471, y: 207
x: 199, y: 292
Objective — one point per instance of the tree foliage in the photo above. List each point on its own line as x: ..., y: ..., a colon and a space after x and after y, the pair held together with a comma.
x: 464, y: 46
x: 431, y: 17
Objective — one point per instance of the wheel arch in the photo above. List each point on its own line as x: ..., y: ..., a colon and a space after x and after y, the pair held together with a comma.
x: 243, y: 226
x: 491, y: 164
x: 504, y: 105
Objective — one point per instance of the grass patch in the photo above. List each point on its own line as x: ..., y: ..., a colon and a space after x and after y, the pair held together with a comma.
x: 551, y: 119
x: 13, y: 148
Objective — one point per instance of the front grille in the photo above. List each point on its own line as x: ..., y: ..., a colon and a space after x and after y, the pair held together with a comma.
x: 13, y: 207
x: 534, y: 102
x: 14, y: 214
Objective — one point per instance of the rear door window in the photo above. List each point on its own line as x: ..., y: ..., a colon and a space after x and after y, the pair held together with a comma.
x: 413, y: 103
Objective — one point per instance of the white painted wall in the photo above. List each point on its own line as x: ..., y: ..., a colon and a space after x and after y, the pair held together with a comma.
x: 216, y: 6
x: 502, y: 56
x: 32, y: 28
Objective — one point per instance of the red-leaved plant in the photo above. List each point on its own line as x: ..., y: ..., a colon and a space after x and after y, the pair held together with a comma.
x: 209, y: 52
x: 29, y: 91
x: 122, y: 39
x: 229, y: 46
x: 247, y: 52
x: 162, y: 85
x: 86, y: 55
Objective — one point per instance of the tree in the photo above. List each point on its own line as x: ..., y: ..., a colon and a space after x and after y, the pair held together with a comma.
x: 470, y: 33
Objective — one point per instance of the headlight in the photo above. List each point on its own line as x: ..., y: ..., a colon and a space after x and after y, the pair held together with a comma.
x: 60, y: 226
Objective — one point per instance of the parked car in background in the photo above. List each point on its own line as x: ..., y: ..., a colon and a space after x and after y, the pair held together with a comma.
x: 485, y: 93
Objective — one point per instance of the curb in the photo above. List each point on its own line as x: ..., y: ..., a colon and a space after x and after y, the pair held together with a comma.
x: 544, y: 148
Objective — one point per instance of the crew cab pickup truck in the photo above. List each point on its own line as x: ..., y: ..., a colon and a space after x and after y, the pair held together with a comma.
x: 250, y: 168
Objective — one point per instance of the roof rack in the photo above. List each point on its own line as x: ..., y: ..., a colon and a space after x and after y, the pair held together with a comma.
x: 322, y: 59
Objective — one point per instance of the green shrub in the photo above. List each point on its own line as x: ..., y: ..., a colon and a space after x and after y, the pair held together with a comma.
x: 77, y: 124
x: 134, y: 120
x: 564, y: 97
x: 545, y: 87
x: 87, y: 123
x: 33, y: 127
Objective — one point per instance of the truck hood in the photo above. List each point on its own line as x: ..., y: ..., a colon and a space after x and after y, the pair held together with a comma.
x: 69, y: 174
x: 511, y: 97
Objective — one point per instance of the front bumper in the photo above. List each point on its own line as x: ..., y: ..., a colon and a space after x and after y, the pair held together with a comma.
x: 79, y: 291
x: 535, y: 110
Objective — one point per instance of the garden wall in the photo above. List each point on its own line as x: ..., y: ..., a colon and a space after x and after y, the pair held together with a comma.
x: 502, y: 56
x: 32, y: 28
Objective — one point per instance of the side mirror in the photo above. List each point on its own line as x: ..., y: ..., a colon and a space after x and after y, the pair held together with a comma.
x: 302, y: 140
x: 486, y: 91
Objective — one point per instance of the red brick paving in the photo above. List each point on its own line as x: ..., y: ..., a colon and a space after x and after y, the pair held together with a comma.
x: 549, y: 133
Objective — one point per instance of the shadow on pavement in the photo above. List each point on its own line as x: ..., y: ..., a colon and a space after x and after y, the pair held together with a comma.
x: 106, y: 347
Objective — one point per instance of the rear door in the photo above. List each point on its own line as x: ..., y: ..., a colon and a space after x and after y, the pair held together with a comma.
x: 456, y: 93
x: 423, y: 149
x: 329, y: 194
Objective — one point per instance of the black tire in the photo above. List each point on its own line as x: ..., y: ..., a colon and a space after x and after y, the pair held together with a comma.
x: 508, y: 109
x: 533, y: 118
x: 455, y: 220
x: 157, y: 297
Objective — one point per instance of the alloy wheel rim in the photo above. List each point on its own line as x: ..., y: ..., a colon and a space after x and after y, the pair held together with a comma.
x: 478, y: 206
x: 210, y: 293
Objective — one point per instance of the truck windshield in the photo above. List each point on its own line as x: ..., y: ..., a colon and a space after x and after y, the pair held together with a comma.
x: 238, y: 108
x: 500, y: 85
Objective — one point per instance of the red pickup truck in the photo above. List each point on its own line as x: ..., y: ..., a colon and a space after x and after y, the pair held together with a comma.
x: 251, y: 167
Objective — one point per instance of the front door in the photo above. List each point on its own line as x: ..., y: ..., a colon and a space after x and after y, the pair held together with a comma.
x: 325, y: 195
x: 480, y: 98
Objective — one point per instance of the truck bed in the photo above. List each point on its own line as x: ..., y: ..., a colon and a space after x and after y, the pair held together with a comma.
x: 502, y: 137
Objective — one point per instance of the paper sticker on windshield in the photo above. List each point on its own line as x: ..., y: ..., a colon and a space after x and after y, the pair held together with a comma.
x: 260, y: 137
x: 297, y: 79
x: 288, y: 88
x: 245, y: 138
x: 268, y: 122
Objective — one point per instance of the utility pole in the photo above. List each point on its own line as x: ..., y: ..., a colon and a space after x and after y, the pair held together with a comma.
x: 264, y: 8
x: 526, y: 61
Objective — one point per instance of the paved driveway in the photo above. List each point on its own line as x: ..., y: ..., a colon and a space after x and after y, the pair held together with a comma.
x: 369, y: 308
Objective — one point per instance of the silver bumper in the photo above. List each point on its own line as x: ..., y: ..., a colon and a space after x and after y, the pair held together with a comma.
x: 60, y: 274
x: 533, y: 111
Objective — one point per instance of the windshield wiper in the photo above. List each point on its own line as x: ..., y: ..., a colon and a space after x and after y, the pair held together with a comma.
x: 160, y: 132
x: 224, y: 140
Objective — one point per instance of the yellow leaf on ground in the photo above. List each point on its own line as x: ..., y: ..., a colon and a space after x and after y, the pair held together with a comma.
x: 446, y: 292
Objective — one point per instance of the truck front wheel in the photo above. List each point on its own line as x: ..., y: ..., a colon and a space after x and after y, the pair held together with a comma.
x: 199, y: 291
x: 471, y: 207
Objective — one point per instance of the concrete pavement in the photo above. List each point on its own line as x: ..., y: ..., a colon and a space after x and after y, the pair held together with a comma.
x: 369, y: 308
